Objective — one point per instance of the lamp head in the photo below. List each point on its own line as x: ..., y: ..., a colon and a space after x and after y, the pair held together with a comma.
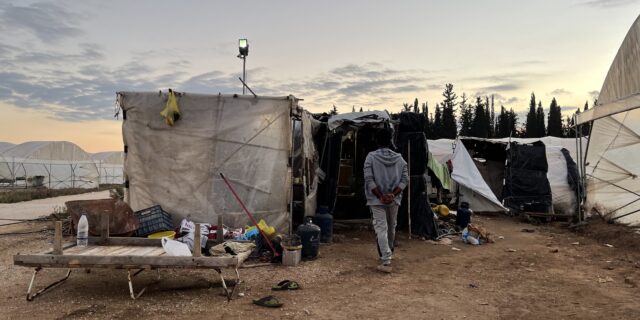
x: 243, y: 46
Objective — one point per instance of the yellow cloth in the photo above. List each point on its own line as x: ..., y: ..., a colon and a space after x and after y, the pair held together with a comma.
x: 171, y: 112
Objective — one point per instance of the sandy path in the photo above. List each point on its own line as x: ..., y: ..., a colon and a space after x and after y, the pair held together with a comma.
x: 42, y: 207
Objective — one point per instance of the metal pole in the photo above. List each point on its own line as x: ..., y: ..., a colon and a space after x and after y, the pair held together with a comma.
x: 244, y: 74
x: 409, y: 185
x: 579, y: 167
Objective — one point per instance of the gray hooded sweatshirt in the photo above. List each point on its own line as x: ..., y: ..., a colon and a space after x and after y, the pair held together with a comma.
x: 386, y: 170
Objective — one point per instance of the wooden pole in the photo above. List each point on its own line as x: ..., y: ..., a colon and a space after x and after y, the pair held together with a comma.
x: 104, y: 225
x: 197, y: 249
x: 409, y: 187
x: 220, y: 230
x: 57, y: 238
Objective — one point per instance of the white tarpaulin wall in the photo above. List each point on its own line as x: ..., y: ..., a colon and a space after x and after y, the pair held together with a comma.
x: 246, y: 138
x: 60, y: 164
x: 473, y: 188
x: 613, y: 155
x: 563, y: 197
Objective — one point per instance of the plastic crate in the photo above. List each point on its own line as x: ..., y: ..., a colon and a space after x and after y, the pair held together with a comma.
x: 153, y: 220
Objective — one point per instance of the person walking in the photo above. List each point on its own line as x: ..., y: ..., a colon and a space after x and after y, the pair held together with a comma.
x: 385, y: 177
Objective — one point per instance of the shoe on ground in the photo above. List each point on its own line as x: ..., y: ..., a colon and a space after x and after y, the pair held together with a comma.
x: 385, y: 267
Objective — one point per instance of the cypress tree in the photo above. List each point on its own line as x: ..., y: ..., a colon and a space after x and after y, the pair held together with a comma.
x: 449, y: 128
x: 466, y: 117
x: 436, y: 129
x: 554, y: 123
x: 541, y: 130
x: 531, y: 127
x: 480, y: 125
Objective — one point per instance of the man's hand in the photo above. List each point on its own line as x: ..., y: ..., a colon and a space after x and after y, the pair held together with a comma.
x: 387, y: 198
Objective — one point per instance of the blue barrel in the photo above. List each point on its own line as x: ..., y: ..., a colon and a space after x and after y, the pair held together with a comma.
x: 325, y: 221
x: 309, y: 234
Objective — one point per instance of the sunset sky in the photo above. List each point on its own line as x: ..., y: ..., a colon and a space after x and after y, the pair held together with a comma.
x: 62, y: 62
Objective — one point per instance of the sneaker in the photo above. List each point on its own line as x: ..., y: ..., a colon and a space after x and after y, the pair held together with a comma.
x: 385, y: 267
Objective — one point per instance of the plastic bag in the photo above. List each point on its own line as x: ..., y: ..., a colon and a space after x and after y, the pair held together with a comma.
x: 175, y: 248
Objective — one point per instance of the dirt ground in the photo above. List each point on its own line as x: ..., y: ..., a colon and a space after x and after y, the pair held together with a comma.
x: 42, y: 207
x: 551, y: 273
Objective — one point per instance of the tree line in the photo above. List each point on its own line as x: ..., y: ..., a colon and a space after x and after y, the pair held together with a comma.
x: 459, y: 115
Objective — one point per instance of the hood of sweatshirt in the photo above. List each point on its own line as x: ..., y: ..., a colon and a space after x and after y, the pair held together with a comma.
x: 387, y: 157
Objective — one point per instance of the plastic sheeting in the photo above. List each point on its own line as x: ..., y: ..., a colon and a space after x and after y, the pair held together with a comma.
x: 612, y: 166
x: 357, y: 118
x: 50, y: 164
x: 246, y: 138
x: 473, y: 188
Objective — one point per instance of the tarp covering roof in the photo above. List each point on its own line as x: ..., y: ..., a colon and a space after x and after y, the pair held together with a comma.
x: 612, y: 166
x: 5, y: 145
x: 357, y: 118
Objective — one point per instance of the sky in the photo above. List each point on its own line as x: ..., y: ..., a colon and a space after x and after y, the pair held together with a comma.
x: 61, y: 62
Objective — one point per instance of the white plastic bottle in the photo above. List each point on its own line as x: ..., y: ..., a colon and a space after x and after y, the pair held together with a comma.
x: 83, y: 232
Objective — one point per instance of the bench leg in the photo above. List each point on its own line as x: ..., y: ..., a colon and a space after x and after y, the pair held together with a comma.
x: 130, y: 277
x: 30, y: 297
x: 224, y: 284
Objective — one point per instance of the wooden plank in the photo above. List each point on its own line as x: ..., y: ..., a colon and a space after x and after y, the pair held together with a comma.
x: 104, y: 225
x: 128, y: 241
x: 220, y: 230
x: 57, y: 238
x: 197, y: 244
x: 83, y: 261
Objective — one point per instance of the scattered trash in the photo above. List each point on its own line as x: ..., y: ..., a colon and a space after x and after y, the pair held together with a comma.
x: 356, y: 239
x: 576, y: 243
x: 455, y: 249
x: 529, y: 269
x: 445, y: 241
x: 511, y: 250
x: 605, y: 279
x: 528, y: 230
x: 483, y: 303
x: 608, y: 245
x: 500, y: 237
x: 473, y: 285
x: 307, y: 311
x: 554, y: 250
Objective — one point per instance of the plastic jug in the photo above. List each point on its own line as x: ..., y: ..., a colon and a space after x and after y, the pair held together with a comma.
x: 175, y: 248
x: 309, y: 234
x: 82, y: 237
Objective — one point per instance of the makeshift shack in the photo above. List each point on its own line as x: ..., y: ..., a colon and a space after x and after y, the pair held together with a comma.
x: 247, y: 138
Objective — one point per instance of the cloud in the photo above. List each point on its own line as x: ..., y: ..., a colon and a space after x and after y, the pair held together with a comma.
x: 559, y: 92
x: 48, y: 22
x: 607, y: 3
x: 502, y: 87
x: 594, y: 94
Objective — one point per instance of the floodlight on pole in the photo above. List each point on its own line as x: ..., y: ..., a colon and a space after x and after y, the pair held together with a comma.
x: 243, y: 47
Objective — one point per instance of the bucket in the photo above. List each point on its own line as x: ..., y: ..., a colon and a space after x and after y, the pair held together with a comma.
x: 159, y: 235
x: 291, y: 255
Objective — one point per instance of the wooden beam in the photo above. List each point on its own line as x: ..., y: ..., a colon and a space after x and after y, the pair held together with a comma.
x: 220, y: 230
x: 197, y: 248
x: 104, y: 227
x: 123, y: 262
x: 57, y: 238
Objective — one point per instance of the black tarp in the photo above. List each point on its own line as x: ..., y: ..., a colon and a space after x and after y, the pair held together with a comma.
x: 410, y: 133
x: 573, y: 178
x: 526, y: 185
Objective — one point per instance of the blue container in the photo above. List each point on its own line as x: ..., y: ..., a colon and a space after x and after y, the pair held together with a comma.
x: 325, y: 221
x: 309, y: 234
